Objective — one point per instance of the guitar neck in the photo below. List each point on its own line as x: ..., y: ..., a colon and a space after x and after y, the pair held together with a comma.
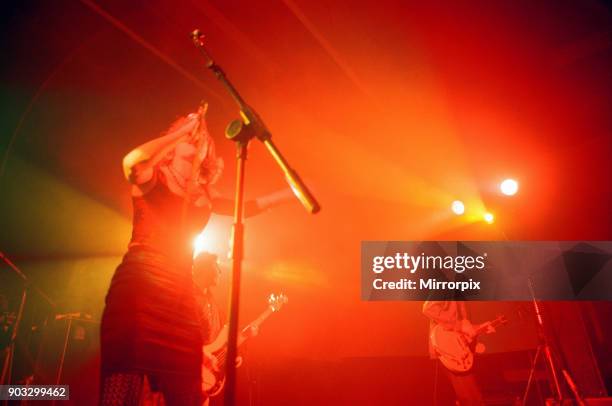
x: 244, y: 334
x: 493, y: 323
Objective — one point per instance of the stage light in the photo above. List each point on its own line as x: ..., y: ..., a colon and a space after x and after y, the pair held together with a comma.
x: 489, y: 218
x: 509, y: 187
x: 214, y: 238
x: 458, y: 207
x: 202, y: 243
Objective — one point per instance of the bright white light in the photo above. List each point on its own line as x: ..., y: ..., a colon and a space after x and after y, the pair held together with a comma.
x: 202, y: 243
x: 214, y: 238
x: 509, y: 187
x: 489, y: 218
x: 458, y: 207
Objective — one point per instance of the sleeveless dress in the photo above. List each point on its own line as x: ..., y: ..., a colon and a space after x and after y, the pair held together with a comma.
x: 151, y: 321
x: 210, y: 316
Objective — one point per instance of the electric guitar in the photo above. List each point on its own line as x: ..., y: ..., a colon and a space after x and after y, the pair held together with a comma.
x: 456, y: 349
x: 213, y: 380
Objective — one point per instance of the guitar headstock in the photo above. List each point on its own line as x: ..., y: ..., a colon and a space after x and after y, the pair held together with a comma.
x: 500, y: 320
x: 276, y: 301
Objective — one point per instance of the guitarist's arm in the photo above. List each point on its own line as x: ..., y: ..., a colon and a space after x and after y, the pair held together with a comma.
x: 488, y: 327
x: 438, y: 311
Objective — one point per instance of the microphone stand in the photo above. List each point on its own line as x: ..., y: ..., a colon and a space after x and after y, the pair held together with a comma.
x: 242, y: 131
x: 7, y: 369
x: 544, y: 348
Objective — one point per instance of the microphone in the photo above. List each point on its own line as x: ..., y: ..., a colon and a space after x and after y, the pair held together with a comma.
x: 198, y: 40
x: 197, y: 36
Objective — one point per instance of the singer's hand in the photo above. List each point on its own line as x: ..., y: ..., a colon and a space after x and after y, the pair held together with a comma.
x: 200, y: 128
x: 202, y: 109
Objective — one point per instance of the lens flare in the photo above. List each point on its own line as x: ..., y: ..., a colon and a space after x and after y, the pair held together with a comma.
x: 489, y: 218
x: 458, y: 207
x: 509, y: 187
x: 201, y: 244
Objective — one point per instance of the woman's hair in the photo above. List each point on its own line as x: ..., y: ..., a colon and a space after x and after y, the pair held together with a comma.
x: 176, y: 124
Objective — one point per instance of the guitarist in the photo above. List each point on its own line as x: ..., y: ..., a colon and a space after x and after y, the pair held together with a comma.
x: 453, y: 315
x: 206, y: 274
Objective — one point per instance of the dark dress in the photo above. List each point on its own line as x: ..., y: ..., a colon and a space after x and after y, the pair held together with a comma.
x: 210, y: 316
x: 151, y: 321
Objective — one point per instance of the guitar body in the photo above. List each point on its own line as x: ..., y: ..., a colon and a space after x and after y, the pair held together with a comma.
x: 454, y: 349
x: 213, y: 381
